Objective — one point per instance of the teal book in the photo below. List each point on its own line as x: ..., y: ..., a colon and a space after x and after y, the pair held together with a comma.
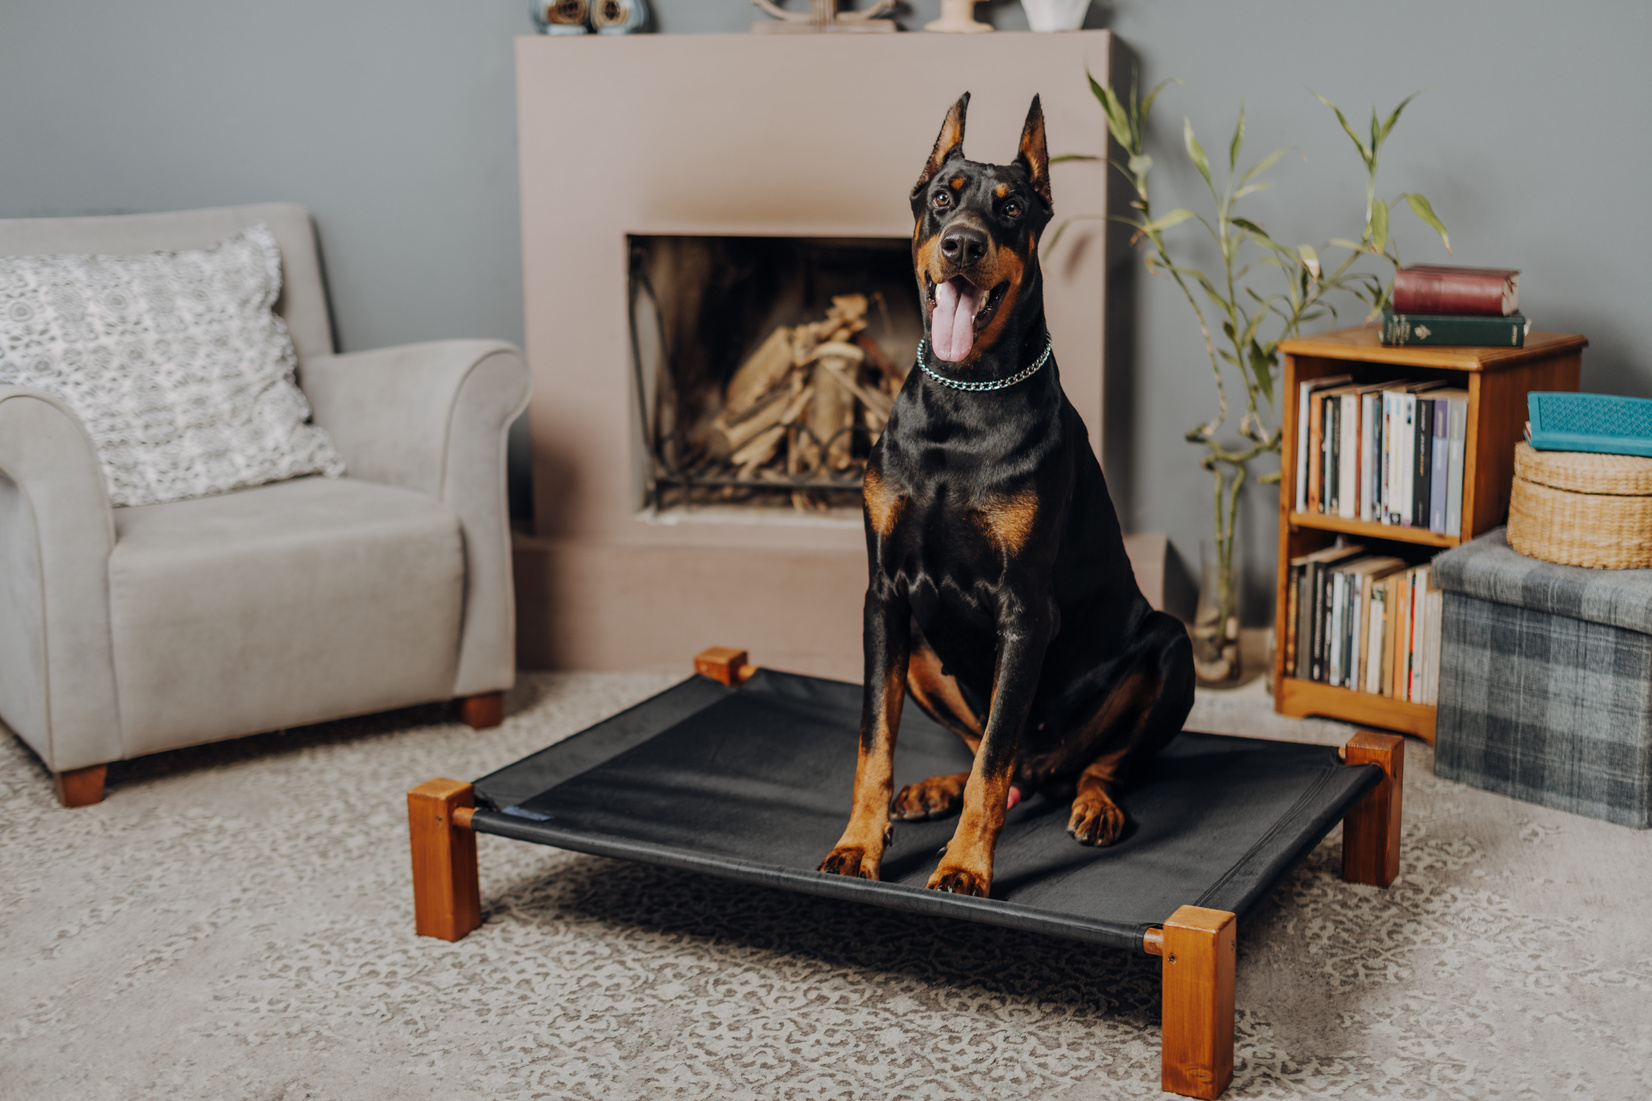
x: 1443, y: 330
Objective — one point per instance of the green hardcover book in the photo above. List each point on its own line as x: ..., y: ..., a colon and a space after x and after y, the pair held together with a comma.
x: 1441, y: 330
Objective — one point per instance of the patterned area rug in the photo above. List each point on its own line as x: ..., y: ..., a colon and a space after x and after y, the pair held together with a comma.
x: 235, y: 922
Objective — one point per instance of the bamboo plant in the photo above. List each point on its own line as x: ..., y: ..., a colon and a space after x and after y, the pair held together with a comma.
x: 1262, y: 293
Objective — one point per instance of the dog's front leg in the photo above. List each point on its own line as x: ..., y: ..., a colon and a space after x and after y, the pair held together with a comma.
x: 966, y: 867
x: 887, y: 637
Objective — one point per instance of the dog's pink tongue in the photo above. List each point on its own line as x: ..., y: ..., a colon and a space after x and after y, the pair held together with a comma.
x: 952, y: 325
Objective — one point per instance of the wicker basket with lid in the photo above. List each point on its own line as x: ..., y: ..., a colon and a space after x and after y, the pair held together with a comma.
x: 1579, y: 508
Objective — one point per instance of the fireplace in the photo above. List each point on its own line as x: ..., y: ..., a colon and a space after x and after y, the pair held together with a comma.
x: 766, y: 367
x: 778, y: 168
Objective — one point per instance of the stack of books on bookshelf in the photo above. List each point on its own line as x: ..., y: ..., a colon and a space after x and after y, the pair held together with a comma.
x: 1439, y: 304
x: 1363, y: 621
x: 1388, y: 452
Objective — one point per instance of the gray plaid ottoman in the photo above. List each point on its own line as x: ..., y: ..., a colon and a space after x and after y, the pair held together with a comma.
x: 1546, y: 681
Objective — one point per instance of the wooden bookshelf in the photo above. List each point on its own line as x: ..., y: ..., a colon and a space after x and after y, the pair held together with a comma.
x: 1497, y: 381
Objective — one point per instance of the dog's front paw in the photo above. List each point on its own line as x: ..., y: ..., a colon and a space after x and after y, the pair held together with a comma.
x: 935, y: 797
x: 1096, y: 819
x: 852, y: 861
x: 958, y: 880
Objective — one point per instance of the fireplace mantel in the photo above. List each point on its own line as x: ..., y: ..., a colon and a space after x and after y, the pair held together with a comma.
x: 793, y: 135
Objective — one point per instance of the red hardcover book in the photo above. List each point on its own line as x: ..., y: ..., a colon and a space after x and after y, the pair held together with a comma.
x: 1440, y: 288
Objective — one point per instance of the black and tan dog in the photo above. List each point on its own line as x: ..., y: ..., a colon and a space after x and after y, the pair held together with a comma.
x: 1000, y: 592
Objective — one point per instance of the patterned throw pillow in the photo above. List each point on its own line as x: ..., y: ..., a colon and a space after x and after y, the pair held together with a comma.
x: 175, y: 361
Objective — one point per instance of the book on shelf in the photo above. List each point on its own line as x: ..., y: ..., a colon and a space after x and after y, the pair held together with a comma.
x: 1305, y: 392
x: 1388, y: 452
x: 1454, y: 330
x: 1450, y: 289
x: 1364, y: 622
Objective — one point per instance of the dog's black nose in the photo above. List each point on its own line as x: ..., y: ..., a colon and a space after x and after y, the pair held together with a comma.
x: 963, y: 245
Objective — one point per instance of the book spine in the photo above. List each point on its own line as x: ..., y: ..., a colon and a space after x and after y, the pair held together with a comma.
x: 1316, y: 458
x: 1390, y: 610
x: 1304, y: 389
x: 1423, y: 432
x: 1316, y: 649
x: 1384, y: 513
x: 1347, y: 494
x: 1402, y: 637
x: 1290, y: 621
x: 1333, y: 454
x: 1458, y: 434
x: 1407, y: 454
x: 1373, y: 646
x: 1304, y: 623
x: 1356, y: 634
x: 1439, y: 467
x: 1367, y: 456
x: 1451, y: 330
x: 1413, y: 651
x: 1450, y: 292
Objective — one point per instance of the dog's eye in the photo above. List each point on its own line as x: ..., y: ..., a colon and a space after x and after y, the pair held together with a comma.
x: 943, y: 199
x: 1012, y: 209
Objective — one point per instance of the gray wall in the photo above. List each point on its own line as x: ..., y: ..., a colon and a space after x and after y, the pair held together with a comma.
x: 394, y: 121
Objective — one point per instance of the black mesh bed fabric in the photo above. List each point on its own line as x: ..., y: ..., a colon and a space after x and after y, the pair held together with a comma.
x: 754, y: 783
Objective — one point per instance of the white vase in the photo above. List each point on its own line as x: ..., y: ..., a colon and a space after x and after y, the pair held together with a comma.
x: 1055, y: 15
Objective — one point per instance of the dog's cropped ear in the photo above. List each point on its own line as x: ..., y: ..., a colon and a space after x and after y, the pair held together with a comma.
x: 949, y: 144
x: 1034, y: 154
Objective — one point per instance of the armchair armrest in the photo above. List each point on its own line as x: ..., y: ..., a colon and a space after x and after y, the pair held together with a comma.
x: 434, y: 417
x: 57, y: 674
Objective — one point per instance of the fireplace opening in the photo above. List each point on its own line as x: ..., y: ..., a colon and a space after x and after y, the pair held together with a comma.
x: 765, y: 367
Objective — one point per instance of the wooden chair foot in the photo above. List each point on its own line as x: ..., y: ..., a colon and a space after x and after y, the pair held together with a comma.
x: 1199, y: 949
x: 1371, y: 831
x: 447, y: 892
x: 80, y: 787
x: 483, y: 711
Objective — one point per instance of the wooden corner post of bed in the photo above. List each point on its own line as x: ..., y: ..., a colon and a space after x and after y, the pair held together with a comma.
x: 447, y: 894
x: 1371, y: 831
x: 1198, y: 947
x: 724, y: 664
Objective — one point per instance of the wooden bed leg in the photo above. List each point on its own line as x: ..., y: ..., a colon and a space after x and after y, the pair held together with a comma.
x: 1198, y: 947
x: 725, y: 665
x: 80, y: 787
x: 447, y: 894
x: 1371, y: 831
x: 483, y: 711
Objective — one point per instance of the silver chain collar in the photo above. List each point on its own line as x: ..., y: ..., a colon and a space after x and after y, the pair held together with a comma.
x: 995, y: 384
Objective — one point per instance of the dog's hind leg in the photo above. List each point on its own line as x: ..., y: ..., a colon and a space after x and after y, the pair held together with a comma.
x: 1134, y: 722
x: 934, y: 690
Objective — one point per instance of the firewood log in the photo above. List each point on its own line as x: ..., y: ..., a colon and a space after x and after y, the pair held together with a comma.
x: 761, y: 370
x: 834, y: 405
x: 723, y: 438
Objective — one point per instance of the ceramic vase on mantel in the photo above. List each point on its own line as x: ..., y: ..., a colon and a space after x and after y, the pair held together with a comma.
x: 560, y: 16
x: 1055, y: 15
x: 1216, y: 621
x: 958, y: 17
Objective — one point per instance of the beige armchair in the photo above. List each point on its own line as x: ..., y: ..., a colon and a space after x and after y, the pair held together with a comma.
x: 126, y: 631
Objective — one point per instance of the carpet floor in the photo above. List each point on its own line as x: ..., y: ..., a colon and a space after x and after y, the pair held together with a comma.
x: 234, y: 921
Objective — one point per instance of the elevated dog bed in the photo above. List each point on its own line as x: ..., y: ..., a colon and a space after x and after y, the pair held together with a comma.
x: 746, y: 774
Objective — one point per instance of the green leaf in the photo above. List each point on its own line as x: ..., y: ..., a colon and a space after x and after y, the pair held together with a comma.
x: 1420, y: 207
x: 1194, y: 152
x: 1379, y: 224
x: 1175, y: 217
x: 1363, y: 152
x: 1238, y: 140
x: 1343, y: 242
x: 1263, y: 165
x: 1261, y: 366
x: 1118, y: 119
x: 1141, y: 164
x: 1147, y: 104
x: 1395, y: 117
x: 1248, y: 188
x: 1309, y: 258
x: 1065, y: 157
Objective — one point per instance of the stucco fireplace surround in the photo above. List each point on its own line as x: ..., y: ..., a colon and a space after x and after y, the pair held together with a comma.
x: 798, y: 136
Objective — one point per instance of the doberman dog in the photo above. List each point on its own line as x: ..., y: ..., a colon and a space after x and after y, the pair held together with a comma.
x: 1000, y: 594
